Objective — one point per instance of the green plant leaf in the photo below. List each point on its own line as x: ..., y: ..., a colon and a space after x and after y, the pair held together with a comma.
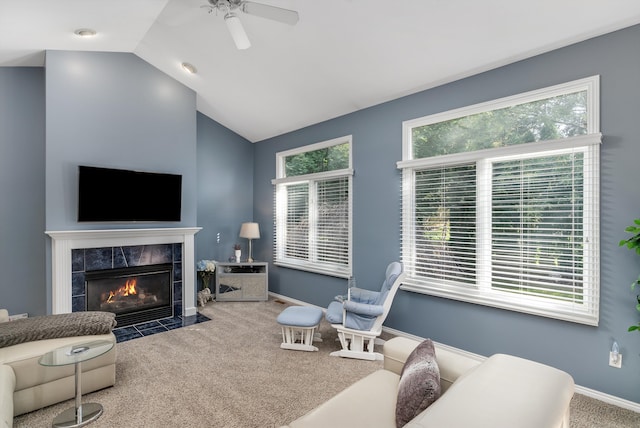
x: 633, y: 243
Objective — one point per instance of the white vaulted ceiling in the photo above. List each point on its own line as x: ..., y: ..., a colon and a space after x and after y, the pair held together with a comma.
x: 341, y: 56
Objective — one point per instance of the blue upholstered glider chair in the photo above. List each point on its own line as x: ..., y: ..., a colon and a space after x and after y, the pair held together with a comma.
x: 359, y: 318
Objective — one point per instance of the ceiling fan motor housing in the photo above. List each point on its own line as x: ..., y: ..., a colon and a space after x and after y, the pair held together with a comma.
x: 225, y: 5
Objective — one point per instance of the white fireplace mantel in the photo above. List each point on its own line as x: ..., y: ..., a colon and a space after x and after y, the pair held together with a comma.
x: 62, y: 242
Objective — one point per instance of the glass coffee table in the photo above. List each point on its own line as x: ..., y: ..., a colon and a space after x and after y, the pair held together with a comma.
x: 80, y: 414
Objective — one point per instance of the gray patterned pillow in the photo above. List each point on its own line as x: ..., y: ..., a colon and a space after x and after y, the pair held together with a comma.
x: 419, y: 383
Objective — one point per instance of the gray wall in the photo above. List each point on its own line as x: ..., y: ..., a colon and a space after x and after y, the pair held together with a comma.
x: 225, y: 189
x: 114, y: 110
x: 580, y: 350
x: 22, y: 219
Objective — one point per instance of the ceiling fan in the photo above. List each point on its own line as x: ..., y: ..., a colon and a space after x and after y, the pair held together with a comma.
x: 234, y: 25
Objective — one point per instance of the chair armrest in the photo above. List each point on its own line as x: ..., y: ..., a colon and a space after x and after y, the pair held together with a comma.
x: 341, y: 298
x: 361, y: 295
x: 363, y: 308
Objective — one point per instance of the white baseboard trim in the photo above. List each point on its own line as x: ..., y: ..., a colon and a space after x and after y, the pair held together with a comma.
x: 441, y: 345
x: 609, y: 399
x: 294, y: 301
x: 592, y: 393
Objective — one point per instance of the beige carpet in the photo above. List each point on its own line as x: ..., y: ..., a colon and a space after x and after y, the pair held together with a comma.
x: 230, y: 372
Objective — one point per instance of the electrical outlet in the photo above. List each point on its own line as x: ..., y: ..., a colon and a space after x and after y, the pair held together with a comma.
x: 17, y: 317
x: 615, y: 360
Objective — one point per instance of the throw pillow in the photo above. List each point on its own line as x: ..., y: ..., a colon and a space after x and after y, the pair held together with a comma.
x: 419, y: 383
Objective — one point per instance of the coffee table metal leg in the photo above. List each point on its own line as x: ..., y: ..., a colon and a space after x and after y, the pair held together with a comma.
x: 81, y: 414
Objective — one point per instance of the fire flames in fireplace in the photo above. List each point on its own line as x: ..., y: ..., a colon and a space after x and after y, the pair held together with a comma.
x: 129, y: 289
x: 127, y: 297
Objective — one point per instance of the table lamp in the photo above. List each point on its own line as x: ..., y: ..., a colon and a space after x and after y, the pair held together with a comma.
x: 250, y: 231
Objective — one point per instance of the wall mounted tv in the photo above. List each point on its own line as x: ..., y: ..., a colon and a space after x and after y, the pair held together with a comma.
x: 118, y: 195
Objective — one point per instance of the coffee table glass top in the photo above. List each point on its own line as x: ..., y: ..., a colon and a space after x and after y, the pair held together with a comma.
x: 76, y: 353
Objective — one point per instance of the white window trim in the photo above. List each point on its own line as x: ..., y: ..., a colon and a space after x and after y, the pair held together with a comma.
x: 326, y: 268
x: 281, y: 156
x: 586, y: 313
x: 590, y: 84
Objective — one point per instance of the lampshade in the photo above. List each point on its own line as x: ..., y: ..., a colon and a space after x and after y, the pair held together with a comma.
x: 250, y: 231
x: 237, y: 31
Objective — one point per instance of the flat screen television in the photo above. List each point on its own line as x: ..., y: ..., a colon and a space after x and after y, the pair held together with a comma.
x: 118, y: 195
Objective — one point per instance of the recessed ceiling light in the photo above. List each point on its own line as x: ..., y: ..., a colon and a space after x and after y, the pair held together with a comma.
x: 85, y: 32
x: 189, y: 67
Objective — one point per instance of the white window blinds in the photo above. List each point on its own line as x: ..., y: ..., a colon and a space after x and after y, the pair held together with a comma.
x: 313, y: 208
x: 517, y: 231
x: 445, y: 215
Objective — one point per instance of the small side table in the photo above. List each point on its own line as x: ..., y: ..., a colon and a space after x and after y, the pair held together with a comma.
x: 81, y: 414
x: 242, y: 281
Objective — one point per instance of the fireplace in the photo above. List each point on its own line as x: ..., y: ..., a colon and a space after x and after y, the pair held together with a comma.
x: 135, y: 294
x: 67, y: 280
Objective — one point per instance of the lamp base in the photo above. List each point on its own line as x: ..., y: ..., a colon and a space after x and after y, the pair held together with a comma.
x: 250, y: 258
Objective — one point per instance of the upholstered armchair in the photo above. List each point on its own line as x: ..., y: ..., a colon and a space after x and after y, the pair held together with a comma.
x: 359, y: 318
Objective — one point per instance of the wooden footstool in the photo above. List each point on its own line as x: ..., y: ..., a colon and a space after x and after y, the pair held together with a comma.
x: 299, y: 324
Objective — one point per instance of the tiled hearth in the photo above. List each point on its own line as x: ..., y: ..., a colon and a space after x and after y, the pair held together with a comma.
x: 76, y: 252
x: 152, y: 327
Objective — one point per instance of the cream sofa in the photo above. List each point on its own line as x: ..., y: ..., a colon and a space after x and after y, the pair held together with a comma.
x: 25, y: 385
x: 500, y: 392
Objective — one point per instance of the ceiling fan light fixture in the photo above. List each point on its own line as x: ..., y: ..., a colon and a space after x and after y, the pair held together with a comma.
x: 237, y: 31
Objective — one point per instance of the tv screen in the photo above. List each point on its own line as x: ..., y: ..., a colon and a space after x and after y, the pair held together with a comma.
x: 107, y: 194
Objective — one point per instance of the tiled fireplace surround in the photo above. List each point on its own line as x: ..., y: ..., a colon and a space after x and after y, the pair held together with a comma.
x: 85, y: 260
x: 78, y: 251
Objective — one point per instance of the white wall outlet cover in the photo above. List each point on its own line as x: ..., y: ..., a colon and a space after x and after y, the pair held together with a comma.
x: 615, y: 362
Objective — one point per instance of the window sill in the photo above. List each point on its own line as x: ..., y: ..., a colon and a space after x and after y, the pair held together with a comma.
x: 343, y: 272
x: 533, y: 306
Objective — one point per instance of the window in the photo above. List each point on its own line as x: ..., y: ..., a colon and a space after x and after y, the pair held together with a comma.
x: 500, y: 203
x: 313, y: 208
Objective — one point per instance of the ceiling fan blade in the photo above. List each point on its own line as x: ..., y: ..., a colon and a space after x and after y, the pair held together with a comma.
x: 234, y: 25
x: 274, y: 13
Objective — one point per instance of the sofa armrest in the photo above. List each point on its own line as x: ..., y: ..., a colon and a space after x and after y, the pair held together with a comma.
x: 370, y: 402
x: 503, y: 392
x: 7, y: 385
